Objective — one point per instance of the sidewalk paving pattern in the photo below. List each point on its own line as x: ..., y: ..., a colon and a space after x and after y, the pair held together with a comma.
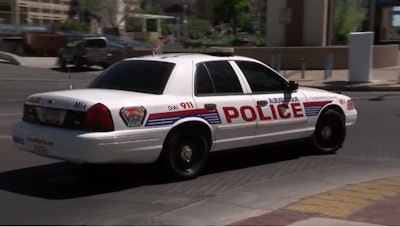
x: 375, y: 202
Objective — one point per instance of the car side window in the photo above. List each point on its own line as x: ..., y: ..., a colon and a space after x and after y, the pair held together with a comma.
x: 204, y: 84
x: 261, y: 78
x: 216, y: 77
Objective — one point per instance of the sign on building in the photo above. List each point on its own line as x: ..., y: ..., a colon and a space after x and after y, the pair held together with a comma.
x: 285, y: 15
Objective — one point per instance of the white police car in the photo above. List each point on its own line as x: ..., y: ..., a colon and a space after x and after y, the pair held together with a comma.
x: 177, y: 108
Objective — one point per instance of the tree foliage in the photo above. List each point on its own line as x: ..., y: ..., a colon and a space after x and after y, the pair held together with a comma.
x: 347, y: 17
x: 135, y: 24
x: 235, y: 12
x: 198, y: 28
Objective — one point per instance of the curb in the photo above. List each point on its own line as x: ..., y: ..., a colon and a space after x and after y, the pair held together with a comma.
x: 348, y: 86
x: 335, y: 86
x: 361, y: 88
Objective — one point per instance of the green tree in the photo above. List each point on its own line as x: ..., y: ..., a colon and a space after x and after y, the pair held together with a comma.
x: 135, y: 24
x: 198, y: 28
x: 347, y: 17
x: 105, y: 9
x: 235, y: 12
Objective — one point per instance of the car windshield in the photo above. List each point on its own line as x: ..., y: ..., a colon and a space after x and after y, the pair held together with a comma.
x: 135, y: 75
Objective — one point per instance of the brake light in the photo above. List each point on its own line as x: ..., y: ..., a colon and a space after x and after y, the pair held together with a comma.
x: 29, y: 113
x: 109, y: 54
x: 98, y: 118
x: 82, y: 51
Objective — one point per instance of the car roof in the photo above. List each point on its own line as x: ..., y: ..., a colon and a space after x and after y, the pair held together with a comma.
x: 178, y: 58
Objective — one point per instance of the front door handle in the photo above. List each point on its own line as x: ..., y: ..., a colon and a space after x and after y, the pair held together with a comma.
x: 210, y: 106
x: 262, y: 103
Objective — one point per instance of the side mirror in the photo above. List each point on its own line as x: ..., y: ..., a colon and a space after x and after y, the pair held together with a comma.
x: 293, y: 85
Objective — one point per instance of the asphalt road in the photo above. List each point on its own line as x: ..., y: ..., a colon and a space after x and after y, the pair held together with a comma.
x: 39, y: 191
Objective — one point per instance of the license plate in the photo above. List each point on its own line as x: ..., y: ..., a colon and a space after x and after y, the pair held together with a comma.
x: 18, y: 140
x: 40, y: 149
x: 51, y: 116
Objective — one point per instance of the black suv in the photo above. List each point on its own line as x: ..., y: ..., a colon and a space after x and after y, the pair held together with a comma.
x: 86, y: 51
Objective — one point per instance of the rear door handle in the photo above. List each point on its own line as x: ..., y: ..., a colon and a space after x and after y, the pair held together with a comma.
x: 210, y: 106
x: 262, y: 103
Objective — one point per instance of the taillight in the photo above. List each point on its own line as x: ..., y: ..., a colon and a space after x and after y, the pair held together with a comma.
x: 29, y: 113
x: 98, y: 118
x: 82, y: 51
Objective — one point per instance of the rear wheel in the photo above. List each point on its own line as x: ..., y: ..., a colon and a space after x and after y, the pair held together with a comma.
x: 62, y: 62
x: 104, y: 65
x: 77, y: 64
x: 329, y: 133
x: 184, y: 155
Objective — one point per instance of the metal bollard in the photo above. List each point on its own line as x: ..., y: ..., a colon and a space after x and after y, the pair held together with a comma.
x: 328, y: 66
x: 278, y: 62
x: 303, y: 67
x: 272, y: 62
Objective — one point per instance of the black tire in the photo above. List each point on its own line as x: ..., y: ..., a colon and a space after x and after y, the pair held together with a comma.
x: 77, y: 64
x: 104, y: 65
x: 184, y: 155
x: 62, y: 62
x: 329, y: 133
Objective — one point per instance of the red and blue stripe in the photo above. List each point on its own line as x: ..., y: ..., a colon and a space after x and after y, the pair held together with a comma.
x: 313, y: 108
x: 167, y: 118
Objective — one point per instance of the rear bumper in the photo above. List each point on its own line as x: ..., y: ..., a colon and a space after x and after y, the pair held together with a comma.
x: 88, y: 147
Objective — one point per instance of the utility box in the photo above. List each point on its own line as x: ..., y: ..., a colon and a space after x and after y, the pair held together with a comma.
x: 360, y: 56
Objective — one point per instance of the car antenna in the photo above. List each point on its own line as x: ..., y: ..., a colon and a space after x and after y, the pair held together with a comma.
x: 69, y: 76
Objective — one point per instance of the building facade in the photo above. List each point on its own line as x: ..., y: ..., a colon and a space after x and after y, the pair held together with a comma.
x: 297, y: 22
x: 38, y: 12
x: 311, y: 22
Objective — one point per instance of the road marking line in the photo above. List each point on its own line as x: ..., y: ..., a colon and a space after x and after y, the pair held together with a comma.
x: 10, y: 114
x: 5, y: 137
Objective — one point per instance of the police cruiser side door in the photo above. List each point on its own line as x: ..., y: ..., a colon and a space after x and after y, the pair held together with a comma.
x: 279, y: 111
x: 218, y: 88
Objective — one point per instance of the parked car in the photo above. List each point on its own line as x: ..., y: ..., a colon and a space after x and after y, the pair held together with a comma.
x: 85, y: 51
x: 174, y: 109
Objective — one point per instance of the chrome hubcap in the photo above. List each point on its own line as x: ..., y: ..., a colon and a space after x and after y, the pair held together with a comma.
x: 186, y: 153
x: 326, y: 132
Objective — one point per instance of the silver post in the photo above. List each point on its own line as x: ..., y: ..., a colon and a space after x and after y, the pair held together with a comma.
x: 272, y: 62
x: 328, y: 65
x: 278, y: 62
x: 303, y: 67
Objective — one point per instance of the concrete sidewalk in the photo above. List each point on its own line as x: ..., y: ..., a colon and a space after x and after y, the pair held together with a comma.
x: 383, y: 79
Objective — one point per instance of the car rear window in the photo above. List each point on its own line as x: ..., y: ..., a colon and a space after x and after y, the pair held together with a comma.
x: 95, y: 43
x: 135, y: 75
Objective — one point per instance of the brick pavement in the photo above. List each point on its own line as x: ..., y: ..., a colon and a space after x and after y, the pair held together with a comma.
x: 374, y: 202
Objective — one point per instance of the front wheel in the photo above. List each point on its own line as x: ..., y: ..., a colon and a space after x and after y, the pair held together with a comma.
x: 329, y: 133
x: 184, y: 155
